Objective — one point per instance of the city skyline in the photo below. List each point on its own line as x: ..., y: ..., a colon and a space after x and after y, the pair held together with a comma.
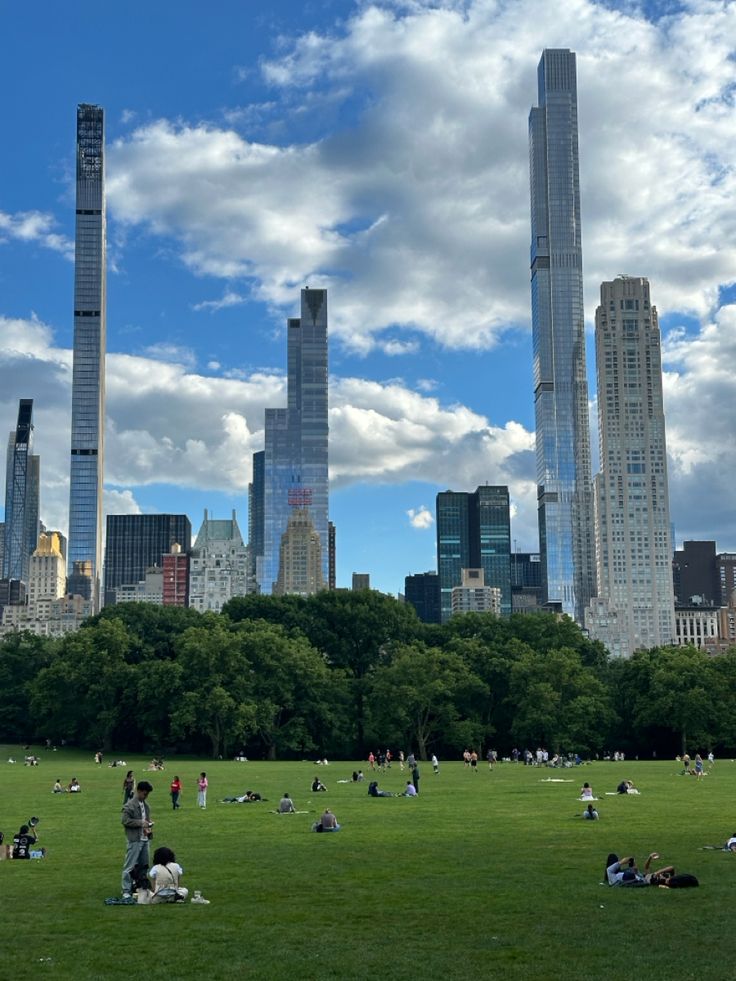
x: 291, y: 156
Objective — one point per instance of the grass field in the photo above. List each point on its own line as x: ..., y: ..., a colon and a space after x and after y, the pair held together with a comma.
x: 483, y: 875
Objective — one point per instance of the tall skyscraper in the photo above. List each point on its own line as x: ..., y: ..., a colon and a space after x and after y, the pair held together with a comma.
x: 474, y: 532
x: 295, y: 463
x: 134, y: 542
x: 22, y: 479
x: 300, y: 558
x: 88, y: 380
x: 422, y: 591
x: 633, y: 546
x: 564, y: 492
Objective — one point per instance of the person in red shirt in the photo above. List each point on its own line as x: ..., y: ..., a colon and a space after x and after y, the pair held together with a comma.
x: 175, y: 791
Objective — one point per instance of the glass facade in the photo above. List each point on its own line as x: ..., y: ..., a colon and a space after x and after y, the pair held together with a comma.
x: 564, y: 489
x: 133, y: 542
x: 474, y: 532
x: 295, y: 461
x: 256, y: 490
x: 88, y: 381
x: 22, y: 481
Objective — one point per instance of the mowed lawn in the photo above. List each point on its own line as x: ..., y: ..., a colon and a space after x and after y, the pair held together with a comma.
x: 484, y: 875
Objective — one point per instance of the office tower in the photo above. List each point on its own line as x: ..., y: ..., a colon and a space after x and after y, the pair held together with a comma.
x: 300, y: 557
x: 2, y: 545
x: 361, y: 580
x: 219, y: 564
x: 422, y: 591
x: 633, y: 547
x: 176, y: 577
x: 21, y: 497
x: 564, y: 493
x: 474, y: 532
x: 256, y: 490
x: 134, y: 542
x: 473, y: 596
x: 295, y: 463
x: 88, y: 377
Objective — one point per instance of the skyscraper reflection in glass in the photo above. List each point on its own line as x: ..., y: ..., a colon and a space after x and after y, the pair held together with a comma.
x: 564, y: 491
x: 88, y: 381
x: 295, y: 463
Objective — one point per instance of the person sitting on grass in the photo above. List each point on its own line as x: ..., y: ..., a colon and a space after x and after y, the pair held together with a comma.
x: 590, y: 813
x: 58, y: 789
x: 409, y: 790
x: 318, y: 786
x: 373, y: 790
x: 166, y: 873
x: 74, y: 787
x: 626, y: 787
x: 586, y: 792
x: 23, y: 844
x: 286, y: 804
x: 328, y: 822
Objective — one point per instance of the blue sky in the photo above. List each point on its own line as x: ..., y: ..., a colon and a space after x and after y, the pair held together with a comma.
x: 377, y: 149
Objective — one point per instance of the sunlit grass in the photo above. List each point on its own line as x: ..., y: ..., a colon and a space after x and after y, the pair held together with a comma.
x: 483, y: 875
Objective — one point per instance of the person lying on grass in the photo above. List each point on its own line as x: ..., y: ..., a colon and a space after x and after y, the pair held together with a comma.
x: 730, y: 845
x: 249, y: 797
x: 590, y: 813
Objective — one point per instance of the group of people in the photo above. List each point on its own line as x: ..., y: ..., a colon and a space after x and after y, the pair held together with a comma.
x: 624, y: 872
x: 73, y: 787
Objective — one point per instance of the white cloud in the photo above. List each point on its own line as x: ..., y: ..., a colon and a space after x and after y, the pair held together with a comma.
x: 420, y: 518
x: 418, y: 214
x: 120, y: 502
x: 228, y: 299
x: 167, y: 424
x: 35, y: 226
x: 177, y: 353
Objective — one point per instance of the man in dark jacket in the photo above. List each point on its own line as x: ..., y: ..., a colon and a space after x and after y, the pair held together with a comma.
x: 136, y: 819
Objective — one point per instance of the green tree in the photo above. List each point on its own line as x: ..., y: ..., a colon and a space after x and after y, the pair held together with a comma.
x: 424, y: 696
x: 216, y: 686
x: 22, y: 655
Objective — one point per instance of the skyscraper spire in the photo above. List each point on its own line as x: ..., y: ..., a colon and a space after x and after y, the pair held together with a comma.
x: 88, y: 383
x: 21, y: 497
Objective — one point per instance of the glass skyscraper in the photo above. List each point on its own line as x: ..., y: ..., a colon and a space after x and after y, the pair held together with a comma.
x: 88, y: 381
x: 564, y: 491
x: 295, y: 463
x: 22, y: 479
x: 474, y: 532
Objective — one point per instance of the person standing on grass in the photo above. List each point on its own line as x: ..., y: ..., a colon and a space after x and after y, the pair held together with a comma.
x: 415, y: 776
x: 136, y: 819
x: 435, y: 765
x: 202, y: 790
x: 474, y: 761
x: 128, y: 786
x: 175, y: 791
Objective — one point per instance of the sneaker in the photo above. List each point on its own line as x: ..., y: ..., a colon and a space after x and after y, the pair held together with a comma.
x: 126, y: 895
x: 200, y: 901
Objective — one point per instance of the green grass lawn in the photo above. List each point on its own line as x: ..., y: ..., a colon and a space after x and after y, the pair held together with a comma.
x: 483, y: 875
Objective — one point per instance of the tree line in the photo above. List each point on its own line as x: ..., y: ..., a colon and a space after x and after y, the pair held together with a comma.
x: 339, y: 673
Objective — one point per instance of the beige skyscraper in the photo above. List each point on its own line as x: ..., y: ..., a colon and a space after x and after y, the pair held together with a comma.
x: 633, y: 546
x: 300, y: 557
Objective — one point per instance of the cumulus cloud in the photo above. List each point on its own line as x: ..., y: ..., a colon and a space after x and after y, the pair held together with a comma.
x: 418, y: 213
x: 35, y: 226
x: 167, y: 424
x: 420, y: 518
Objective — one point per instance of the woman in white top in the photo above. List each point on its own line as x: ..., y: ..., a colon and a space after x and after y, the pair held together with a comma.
x: 165, y: 873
